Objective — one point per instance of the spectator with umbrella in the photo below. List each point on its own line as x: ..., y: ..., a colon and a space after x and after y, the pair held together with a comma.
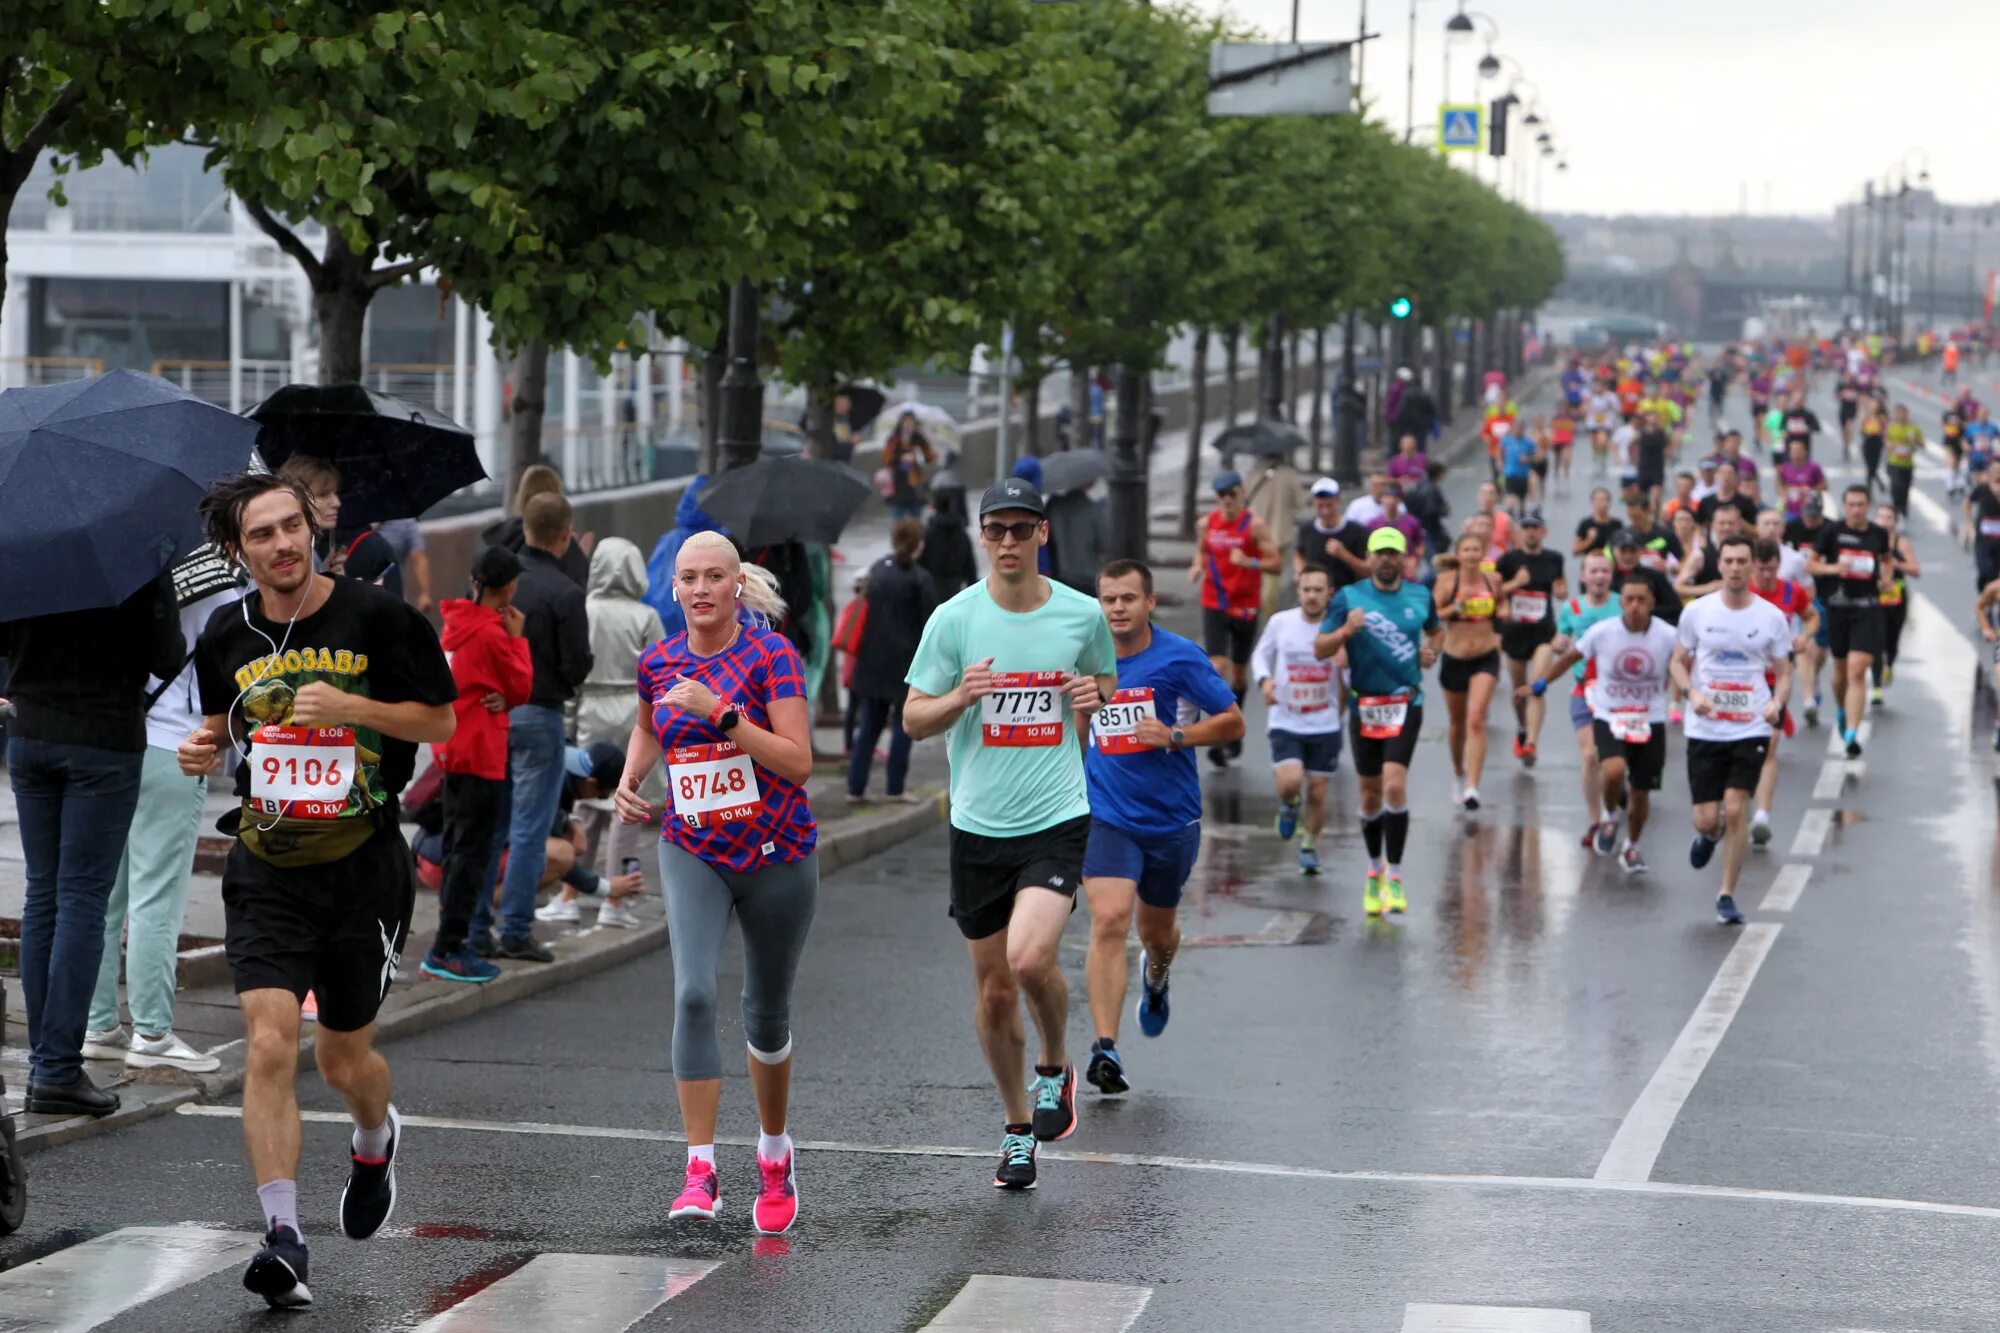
x: 907, y: 457
x: 901, y: 596
x: 103, y: 476
x: 947, y: 549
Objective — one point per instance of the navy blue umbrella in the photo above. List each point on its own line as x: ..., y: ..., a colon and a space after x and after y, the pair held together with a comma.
x: 99, y: 480
x: 396, y: 459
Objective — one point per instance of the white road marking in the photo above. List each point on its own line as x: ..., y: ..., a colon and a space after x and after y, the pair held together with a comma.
x: 1814, y: 826
x: 1836, y: 744
x: 1205, y: 1165
x: 1492, y: 1319
x: 1644, y: 1132
x: 988, y: 1304
x: 1785, y: 889
x: 1833, y: 775
x: 86, y: 1285
x: 573, y: 1293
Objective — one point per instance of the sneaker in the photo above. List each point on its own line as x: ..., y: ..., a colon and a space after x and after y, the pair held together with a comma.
x: 1393, y: 901
x: 1287, y: 822
x: 1590, y: 837
x: 1812, y: 713
x: 309, y: 1009
x: 1725, y: 911
x: 1875, y: 697
x: 278, y: 1271
x: 169, y: 1052
x: 1458, y: 797
x: 112, y: 1043
x: 1106, y: 1071
x: 777, y: 1205
x: 1527, y: 756
x: 1017, y: 1163
x: 1308, y: 861
x: 701, y: 1194
x: 1472, y: 798
x: 1854, y: 747
x: 617, y: 916
x: 1055, y: 1104
x: 1631, y: 860
x: 482, y: 945
x: 1218, y: 756
x: 1674, y: 716
x: 526, y: 948
x: 370, y: 1195
x: 561, y: 909
x: 1371, y: 897
x: 1520, y: 743
x: 1760, y: 832
x: 1152, y: 1011
x: 465, y: 965
x: 1701, y: 850
x: 1607, y: 836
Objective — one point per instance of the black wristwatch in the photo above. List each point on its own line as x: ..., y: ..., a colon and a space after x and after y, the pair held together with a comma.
x: 1176, y: 739
x: 727, y: 722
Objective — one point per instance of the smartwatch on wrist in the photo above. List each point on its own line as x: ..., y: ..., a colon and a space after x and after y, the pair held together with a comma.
x: 1176, y: 739
x: 725, y: 717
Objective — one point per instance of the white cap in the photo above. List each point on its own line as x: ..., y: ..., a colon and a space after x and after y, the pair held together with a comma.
x: 1403, y: 373
x: 1326, y: 486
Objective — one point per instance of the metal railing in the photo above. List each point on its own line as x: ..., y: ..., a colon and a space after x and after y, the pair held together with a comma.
x: 209, y: 380
x: 27, y: 372
x: 428, y: 384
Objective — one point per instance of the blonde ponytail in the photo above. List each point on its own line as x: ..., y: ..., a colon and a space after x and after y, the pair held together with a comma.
x: 760, y: 586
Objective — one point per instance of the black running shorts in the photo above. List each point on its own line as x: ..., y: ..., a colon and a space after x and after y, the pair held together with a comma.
x: 336, y: 929
x: 987, y: 873
x: 1232, y: 638
x: 1715, y: 767
x: 1854, y: 629
x: 1370, y: 754
x: 1645, y: 764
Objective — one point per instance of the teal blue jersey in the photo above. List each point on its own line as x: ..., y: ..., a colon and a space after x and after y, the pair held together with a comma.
x: 1576, y: 615
x: 1385, y: 657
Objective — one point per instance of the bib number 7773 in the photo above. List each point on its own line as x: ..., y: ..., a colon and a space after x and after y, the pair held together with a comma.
x: 1025, y: 708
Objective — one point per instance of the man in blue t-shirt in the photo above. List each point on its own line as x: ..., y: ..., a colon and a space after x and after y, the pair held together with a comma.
x: 1519, y: 452
x: 1390, y: 631
x: 1145, y: 805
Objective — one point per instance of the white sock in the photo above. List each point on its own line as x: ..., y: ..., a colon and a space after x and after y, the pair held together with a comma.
x: 372, y: 1145
x: 1395, y: 871
x: 1761, y: 817
x: 701, y: 1152
x: 279, y: 1201
x: 774, y: 1147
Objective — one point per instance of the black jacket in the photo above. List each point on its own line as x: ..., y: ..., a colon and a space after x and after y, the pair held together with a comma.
x: 1415, y: 415
x: 900, y: 600
x: 557, y: 630
x: 79, y: 678
x: 948, y: 555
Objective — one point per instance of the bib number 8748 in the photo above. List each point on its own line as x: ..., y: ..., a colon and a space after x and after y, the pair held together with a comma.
x: 701, y: 786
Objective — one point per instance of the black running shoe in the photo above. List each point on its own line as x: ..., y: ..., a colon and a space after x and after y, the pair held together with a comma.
x: 1106, y: 1072
x: 278, y: 1271
x: 526, y: 948
x: 1055, y: 1104
x: 1017, y: 1163
x: 1726, y: 913
x: 370, y: 1195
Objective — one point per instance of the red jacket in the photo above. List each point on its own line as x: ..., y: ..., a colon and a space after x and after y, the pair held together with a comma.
x: 484, y: 658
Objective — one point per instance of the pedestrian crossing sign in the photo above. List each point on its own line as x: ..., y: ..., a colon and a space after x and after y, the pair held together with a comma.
x: 1461, y: 127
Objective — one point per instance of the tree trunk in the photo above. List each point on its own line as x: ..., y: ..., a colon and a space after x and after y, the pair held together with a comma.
x: 1231, y: 347
x: 1318, y: 414
x: 1079, y: 406
x: 1197, y: 418
x: 531, y: 401
x: 819, y: 418
x: 1031, y: 420
x: 1442, y: 396
x: 341, y: 293
x: 1295, y: 385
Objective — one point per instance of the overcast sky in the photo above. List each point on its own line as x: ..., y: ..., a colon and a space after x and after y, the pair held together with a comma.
x: 1702, y: 106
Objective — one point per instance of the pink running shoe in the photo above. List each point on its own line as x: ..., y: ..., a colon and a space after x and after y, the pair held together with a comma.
x: 777, y: 1195
x: 701, y: 1196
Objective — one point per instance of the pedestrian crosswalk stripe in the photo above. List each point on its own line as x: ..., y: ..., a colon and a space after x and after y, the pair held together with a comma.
x: 86, y: 1285
x: 988, y: 1304
x: 573, y: 1293
x: 1492, y: 1319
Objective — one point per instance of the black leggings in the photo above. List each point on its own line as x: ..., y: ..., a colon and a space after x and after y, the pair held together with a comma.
x: 1893, y: 616
x: 1871, y: 457
x: 1899, y: 488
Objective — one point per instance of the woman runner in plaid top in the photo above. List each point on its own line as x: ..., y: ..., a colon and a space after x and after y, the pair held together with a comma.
x: 724, y: 705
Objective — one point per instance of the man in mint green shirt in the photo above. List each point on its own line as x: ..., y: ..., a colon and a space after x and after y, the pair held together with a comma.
x: 1010, y: 671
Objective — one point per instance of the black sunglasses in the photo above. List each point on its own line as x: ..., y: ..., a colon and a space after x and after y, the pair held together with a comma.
x: 1020, y: 532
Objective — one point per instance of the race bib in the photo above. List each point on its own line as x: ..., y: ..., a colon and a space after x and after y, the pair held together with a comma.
x: 1733, y: 701
x: 1857, y: 565
x: 1476, y: 608
x: 1528, y: 608
x: 1382, y: 716
x: 302, y: 772
x: 1309, y: 686
x: 1631, y: 725
x: 1115, y: 729
x: 712, y: 784
x: 1989, y: 528
x: 1024, y: 709
x: 1653, y: 559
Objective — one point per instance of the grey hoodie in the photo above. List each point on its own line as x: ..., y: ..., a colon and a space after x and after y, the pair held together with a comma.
x: 622, y: 627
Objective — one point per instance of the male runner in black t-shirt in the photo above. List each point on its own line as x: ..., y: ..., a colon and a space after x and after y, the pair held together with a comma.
x: 325, y: 687
x: 1852, y: 556
x: 1325, y: 542
x: 1595, y: 530
x: 1985, y: 506
x: 1531, y: 587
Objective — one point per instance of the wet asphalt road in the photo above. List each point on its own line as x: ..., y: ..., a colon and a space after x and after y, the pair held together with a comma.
x: 1344, y: 1119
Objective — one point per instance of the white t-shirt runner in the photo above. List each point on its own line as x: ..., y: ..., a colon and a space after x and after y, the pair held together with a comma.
x: 1629, y: 691
x: 1731, y: 651
x: 1309, y: 690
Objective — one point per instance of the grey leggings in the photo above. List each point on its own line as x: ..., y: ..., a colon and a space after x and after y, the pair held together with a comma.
x: 775, y: 905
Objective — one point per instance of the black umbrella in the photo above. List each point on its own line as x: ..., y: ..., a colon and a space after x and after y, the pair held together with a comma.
x: 396, y: 459
x: 1262, y: 439
x: 1072, y: 470
x: 778, y: 500
x: 864, y: 404
x: 99, y: 479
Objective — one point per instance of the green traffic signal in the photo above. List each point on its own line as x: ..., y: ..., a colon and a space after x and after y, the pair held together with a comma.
x: 1400, y: 307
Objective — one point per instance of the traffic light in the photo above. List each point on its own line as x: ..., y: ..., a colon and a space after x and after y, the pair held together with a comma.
x: 1496, y: 125
x: 1400, y: 307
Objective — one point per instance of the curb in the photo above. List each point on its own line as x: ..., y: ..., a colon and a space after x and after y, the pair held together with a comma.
x: 143, y: 1098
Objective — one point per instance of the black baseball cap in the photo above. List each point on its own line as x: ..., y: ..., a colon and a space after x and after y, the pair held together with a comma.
x: 1625, y: 538
x: 1013, y: 493
x: 495, y: 567
x: 1532, y: 518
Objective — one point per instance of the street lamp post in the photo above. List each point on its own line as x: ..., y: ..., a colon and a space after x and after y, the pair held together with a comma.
x: 740, y: 434
x: 1930, y: 270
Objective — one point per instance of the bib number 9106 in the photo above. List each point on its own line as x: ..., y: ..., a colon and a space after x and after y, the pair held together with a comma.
x: 1023, y: 709
x: 301, y: 772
